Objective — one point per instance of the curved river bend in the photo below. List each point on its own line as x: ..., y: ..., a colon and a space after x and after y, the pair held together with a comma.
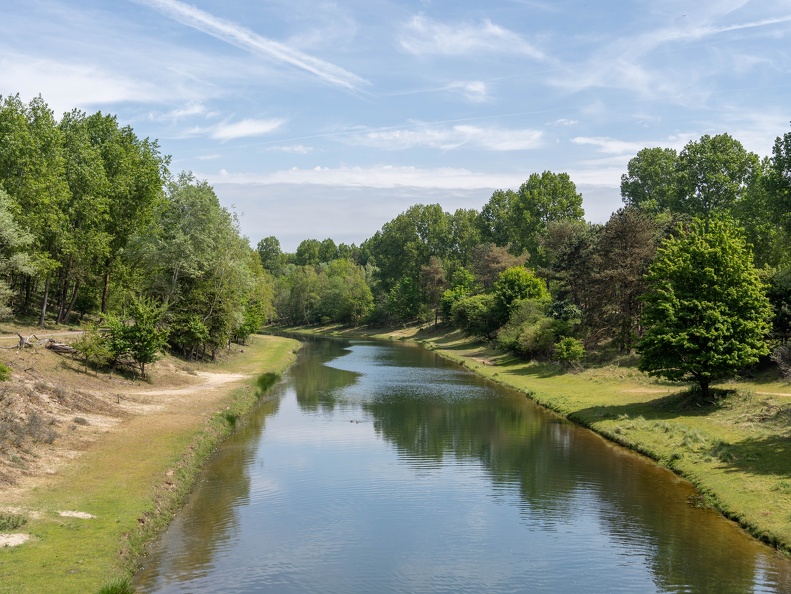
x: 379, y: 467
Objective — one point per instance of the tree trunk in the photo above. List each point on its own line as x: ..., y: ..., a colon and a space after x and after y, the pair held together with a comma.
x: 44, y: 304
x: 71, y: 301
x: 106, y: 291
x: 704, y: 389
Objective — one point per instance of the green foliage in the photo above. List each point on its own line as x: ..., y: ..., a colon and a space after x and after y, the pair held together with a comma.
x: 308, y: 253
x: 651, y: 180
x: 272, y: 258
x: 529, y: 331
x: 569, y: 351
x: 5, y: 372
x: 404, y: 300
x: 476, y: 315
x: 139, y: 337
x: 706, y: 312
x: 94, y: 347
x: 713, y: 174
x: 513, y: 285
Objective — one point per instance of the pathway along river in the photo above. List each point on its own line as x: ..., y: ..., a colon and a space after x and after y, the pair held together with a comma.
x: 379, y: 467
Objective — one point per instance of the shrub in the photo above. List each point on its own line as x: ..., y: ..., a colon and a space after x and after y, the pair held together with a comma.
x: 569, y: 351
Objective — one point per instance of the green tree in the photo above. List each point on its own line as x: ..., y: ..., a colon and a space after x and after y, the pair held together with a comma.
x: 540, y: 200
x: 308, y: 253
x: 140, y: 337
x: 651, y: 181
x: 32, y: 172
x: 135, y: 172
x: 272, y: 258
x: 515, y: 284
x: 706, y: 312
x: 713, y: 175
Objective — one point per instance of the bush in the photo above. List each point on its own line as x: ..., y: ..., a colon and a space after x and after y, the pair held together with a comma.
x: 5, y: 373
x: 569, y: 351
x: 535, y: 340
x: 529, y: 332
x: 476, y: 315
x: 93, y: 347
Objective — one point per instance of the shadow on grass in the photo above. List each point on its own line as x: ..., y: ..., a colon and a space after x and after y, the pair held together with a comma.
x: 768, y: 455
x: 686, y: 403
x: 537, y: 370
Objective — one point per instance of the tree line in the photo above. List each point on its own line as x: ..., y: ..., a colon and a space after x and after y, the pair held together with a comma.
x: 92, y: 223
x: 528, y: 272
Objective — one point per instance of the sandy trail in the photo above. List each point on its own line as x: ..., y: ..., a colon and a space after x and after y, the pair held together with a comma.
x: 131, y: 414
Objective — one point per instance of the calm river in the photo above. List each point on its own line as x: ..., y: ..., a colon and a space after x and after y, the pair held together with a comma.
x: 379, y: 467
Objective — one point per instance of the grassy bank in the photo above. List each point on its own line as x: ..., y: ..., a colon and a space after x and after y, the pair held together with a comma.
x: 132, y: 481
x: 736, y: 451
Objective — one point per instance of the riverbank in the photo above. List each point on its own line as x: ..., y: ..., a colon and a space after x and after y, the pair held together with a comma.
x: 736, y: 452
x: 126, y: 455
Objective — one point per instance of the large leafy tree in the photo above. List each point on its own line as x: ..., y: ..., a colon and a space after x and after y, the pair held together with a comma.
x: 651, y: 179
x: 540, y: 200
x: 706, y: 312
x: 713, y: 175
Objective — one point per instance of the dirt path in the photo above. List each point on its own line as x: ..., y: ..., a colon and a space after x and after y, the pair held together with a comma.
x: 113, y: 416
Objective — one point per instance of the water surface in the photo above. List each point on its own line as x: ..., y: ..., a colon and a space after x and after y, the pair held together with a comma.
x: 379, y: 467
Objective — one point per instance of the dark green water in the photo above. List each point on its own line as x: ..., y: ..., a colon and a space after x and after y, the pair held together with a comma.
x: 381, y: 468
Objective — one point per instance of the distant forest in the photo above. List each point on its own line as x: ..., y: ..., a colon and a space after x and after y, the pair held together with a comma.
x: 94, y: 227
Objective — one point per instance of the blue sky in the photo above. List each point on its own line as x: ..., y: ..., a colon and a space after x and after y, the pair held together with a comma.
x: 326, y: 119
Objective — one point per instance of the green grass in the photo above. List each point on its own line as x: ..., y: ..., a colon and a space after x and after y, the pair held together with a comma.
x: 133, y: 482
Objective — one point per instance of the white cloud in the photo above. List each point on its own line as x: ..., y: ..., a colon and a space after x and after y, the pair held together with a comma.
x: 620, y: 147
x: 475, y: 91
x: 384, y: 176
x: 448, y: 138
x: 422, y: 35
x: 297, y: 149
x: 252, y: 42
x: 245, y: 129
x: 626, y: 62
x: 563, y: 122
x: 188, y: 110
x: 66, y: 85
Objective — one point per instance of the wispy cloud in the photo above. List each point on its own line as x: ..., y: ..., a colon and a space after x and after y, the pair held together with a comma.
x: 626, y: 62
x: 67, y: 85
x: 475, y: 91
x: 630, y: 147
x: 384, y: 176
x: 246, y: 39
x: 563, y: 122
x: 297, y: 149
x: 422, y: 35
x: 245, y: 129
x: 449, y: 138
x: 189, y: 110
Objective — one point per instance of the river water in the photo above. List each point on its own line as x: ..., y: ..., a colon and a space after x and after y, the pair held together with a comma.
x: 379, y: 467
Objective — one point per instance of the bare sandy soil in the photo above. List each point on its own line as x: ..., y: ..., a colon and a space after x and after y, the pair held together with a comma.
x: 54, y: 411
